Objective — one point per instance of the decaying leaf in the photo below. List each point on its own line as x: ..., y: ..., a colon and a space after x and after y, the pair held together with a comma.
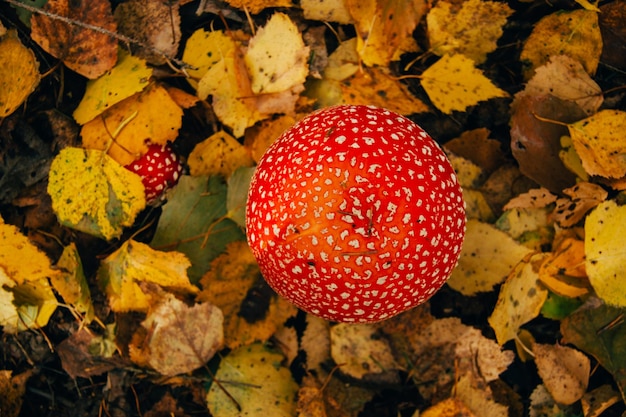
x: 129, y: 76
x: 598, y: 400
x: 599, y: 143
x: 219, y: 154
x: 251, y: 381
x: 256, y: 6
x: 360, y: 351
x: 478, y: 147
x: 153, y: 23
x: 471, y: 28
x: 71, y: 282
x: 564, y: 371
x: 520, y: 299
x: 531, y: 227
x: 92, y: 193
x: 326, y: 10
x: 18, y: 83
x: 121, y: 273
x: 178, y: 338
x: 126, y: 129
x: 563, y: 271
x: 581, y: 198
x: 454, y: 83
x: 479, y: 398
x: 13, y: 388
x: 535, y: 198
x: 487, y: 258
x: 573, y: 33
x: 605, y: 227
x: 89, y: 52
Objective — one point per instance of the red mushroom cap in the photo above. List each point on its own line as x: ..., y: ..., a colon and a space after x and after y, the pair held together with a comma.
x: 159, y: 169
x: 355, y: 214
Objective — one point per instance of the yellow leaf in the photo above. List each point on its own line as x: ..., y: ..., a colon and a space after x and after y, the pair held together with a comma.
x: 203, y: 50
x: 605, y: 254
x: 121, y: 272
x: 520, y: 299
x: 453, y: 83
x: 487, y: 257
x: 127, y: 128
x: 450, y: 407
x: 219, y: 154
x: 257, y: 382
x: 573, y: 33
x: 276, y: 58
x: 93, y: 193
x: 373, y: 86
x: 599, y: 142
x: 256, y: 6
x: 71, y: 283
x: 343, y: 62
x: 471, y: 29
x: 226, y: 285
x: 326, y: 11
x: 17, y: 83
x: 563, y: 271
x: 129, y: 76
x: 570, y: 158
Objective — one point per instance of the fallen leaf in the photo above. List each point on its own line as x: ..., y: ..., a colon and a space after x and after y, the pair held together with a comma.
x: 531, y: 227
x: 13, y: 389
x: 134, y: 262
x: 476, y: 146
x: 85, y: 354
x: 454, y: 83
x: 193, y: 222
x: 450, y: 407
x: 71, y: 283
x: 179, y: 338
x: 326, y: 11
x: 18, y: 83
x: 580, y: 199
x: 126, y: 129
x: 571, y: 160
x: 573, y: 33
x: 520, y: 299
x: 605, y: 254
x: 563, y: 271
x: 563, y: 370
x: 155, y: 24
x: 534, y: 198
x: 598, y: 400
x: 129, y: 76
x: 89, y: 52
x: 360, y: 351
x: 276, y: 57
x: 219, y: 154
x: 471, y: 28
x: 251, y: 381
x: 598, y: 142
x: 565, y: 78
x: 237, y: 195
x: 343, y: 62
x: 260, y: 137
x: 256, y: 6
x: 94, y: 194
x: 479, y: 398
x: 611, y: 19
x: 542, y: 404
x: 487, y: 257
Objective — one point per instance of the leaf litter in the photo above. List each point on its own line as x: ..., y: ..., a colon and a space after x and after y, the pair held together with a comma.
x: 190, y: 310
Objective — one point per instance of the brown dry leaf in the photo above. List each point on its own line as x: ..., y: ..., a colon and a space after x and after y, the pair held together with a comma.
x: 565, y: 78
x: 471, y: 28
x: 478, y: 397
x: 573, y: 33
x: 535, y: 198
x: 179, y: 338
x: 88, y: 52
x: 476, y: 146
x: 536, y: 143
x: 612, y: 16
x: 84, y: 354
x: 152, y: 23
x: 18, y: 83
x: 520, y: 299
x: 382, y: 27
x: 310, y: 399
x: 581, y: 198
x: 315, y: 341
x: 256, y: 6
x: 598, y: 400
x: 487, y: 257
x: 373, y: 86
x: 13, y: 388
x: 564, y: 371
x: 326, y: 10
x: 454, y: 83
x: 360, y: 350
x: 563, y: 271
x: 599, y: 143
x: 129, y: 127
x: 219, y: 154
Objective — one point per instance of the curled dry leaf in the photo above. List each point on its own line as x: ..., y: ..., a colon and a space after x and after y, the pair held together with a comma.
x: 89, y: 52
x: 535, y: 198
x: 563, y: 271
x: 581, y: 198
x: 564, y: 371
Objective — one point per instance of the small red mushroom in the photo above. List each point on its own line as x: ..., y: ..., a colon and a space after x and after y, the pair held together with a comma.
x: 355, y: 214
x: 159, y: 169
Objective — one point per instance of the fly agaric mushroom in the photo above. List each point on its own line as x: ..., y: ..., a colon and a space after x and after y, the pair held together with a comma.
x: 159, y: 169
x: 355, y: 214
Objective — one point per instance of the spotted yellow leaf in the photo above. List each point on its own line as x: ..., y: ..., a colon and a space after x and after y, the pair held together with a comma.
x: 203, y: 50
x: 71, y: 283
x: 471, y: 29
x: 17, y: 83
x: 219, y: 154
x: 129, y: 76
x: 454, y: 83
x: 605, y: 253
x: 94, y: 194
x: 599, y: 142
x: 134, y: 262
